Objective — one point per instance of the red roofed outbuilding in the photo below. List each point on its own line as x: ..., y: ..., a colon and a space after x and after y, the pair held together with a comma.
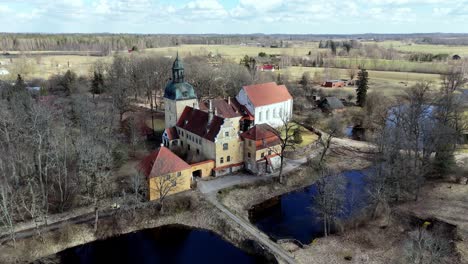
x: 165, y: 172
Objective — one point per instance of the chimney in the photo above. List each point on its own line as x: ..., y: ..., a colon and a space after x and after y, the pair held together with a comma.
x: 210, y: 113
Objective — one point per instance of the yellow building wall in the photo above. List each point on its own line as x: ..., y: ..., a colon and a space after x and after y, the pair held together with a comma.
x: 183, y: 183
x: 266, y: 151
x: 206, y: 168
x: 235, y: 146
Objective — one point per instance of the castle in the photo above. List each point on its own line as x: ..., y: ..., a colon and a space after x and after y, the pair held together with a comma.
x: 216, y: 137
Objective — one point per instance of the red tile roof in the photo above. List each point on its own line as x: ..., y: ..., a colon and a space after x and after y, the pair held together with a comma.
x: 223, y: 107
x: 196, y: 121
x: 264, y: 136
x: 172, y: 133
x: 160, y: 162
x: 267, y: 93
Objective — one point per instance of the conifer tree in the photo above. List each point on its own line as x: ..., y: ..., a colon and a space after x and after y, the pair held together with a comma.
x: 363, y: 79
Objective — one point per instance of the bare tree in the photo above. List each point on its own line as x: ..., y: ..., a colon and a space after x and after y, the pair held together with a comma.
x: 333, y: 128
x: 163, y: 185
x: 285, y: 134
x: 6, y: 210
x: 424, y: 247
x: 329, y: 200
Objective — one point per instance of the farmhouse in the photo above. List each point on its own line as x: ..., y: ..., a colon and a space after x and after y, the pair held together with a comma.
x: 268, y: 103
x: 334, y: 83
x: 331, y: 104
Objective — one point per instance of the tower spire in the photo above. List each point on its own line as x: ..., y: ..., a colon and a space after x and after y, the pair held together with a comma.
x: 178, y: 70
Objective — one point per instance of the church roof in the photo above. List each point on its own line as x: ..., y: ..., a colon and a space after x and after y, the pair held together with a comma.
x: 224, y: 108
x: 267, y: 93
x: 177, y: 88
x: 197, y: 121
x: 179, y: 91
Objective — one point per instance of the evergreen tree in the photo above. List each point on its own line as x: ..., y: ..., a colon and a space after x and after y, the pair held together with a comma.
x: 97, y: 84
x: 20, y: 84
x: 297, y: 136
x: 363, y: 79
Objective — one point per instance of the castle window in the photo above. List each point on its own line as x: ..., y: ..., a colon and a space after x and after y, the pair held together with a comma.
x: 174, y: 183
x: 225, y: 146
x: 221, y: 160
x: 188, y: 146
x: 263, y: 154
x: 226, y: 134
x: 179, y: 173
x: 250, y: 143
x: 248, y: 154
x: 260, y: 116
x: 228, y: 158
x: 198, y: 152
x: 269, y: 152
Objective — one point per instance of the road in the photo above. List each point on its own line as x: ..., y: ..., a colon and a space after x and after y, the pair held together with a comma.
x: 260, y: 236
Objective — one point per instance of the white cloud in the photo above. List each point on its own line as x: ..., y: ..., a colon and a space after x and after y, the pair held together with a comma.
x: 245, y: 16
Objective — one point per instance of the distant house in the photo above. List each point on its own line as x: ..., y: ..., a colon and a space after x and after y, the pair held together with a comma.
x: 334, y: 83
x: 331, y: 104
x: 162, y: 169
x: 261, y: 146
x: 4, y: 71
x: 456, y: 57
x: 267, y: 67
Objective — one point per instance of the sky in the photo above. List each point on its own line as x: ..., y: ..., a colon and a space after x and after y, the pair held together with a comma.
x: 234, y: 16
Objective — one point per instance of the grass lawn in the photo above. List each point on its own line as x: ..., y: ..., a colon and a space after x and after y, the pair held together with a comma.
x: 308, y: 137
x: 159, y: 124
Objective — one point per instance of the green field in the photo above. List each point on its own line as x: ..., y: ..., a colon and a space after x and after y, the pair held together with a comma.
x: 234, y: 52
x: 389, y: 83
x: 424, y: 48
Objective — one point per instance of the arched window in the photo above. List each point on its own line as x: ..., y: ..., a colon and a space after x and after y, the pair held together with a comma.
x: 225, y: 146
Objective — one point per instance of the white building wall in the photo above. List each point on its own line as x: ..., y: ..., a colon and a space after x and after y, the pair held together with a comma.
x: 272, y: 114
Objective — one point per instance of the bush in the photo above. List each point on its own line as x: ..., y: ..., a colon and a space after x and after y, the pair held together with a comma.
x: 298, y: 136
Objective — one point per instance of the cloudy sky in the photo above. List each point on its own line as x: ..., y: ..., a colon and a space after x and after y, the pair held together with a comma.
x: 234, y: 16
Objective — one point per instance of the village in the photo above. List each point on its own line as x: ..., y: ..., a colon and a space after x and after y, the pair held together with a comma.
x: 246, y: 161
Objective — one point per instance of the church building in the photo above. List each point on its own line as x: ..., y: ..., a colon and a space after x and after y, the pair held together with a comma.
x: 211, y: 135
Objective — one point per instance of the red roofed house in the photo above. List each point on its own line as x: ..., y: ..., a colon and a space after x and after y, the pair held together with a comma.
x: 268, y: 102
x: 261, y: 149
x: 165, y: 172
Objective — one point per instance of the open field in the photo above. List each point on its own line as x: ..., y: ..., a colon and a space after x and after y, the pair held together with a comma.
x: 389, y: 83
x: 424, y: 48
x: 45, y: 66
x: 234, y: 52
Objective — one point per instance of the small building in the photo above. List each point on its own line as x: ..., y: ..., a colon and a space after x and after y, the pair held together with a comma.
x: 456, y: 57
x: 267, y: 67
x: 4, y: 71
x: 334, y: 83
x: 261, y: 148
x: 331, y: 104
x: 269, y: 103
x: 165, y: 172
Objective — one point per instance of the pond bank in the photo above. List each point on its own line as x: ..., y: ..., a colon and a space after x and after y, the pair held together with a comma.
x: 188, y: 209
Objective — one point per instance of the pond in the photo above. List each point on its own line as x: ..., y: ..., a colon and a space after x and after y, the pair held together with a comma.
x: 168, y: 244
x: 290, y: 215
